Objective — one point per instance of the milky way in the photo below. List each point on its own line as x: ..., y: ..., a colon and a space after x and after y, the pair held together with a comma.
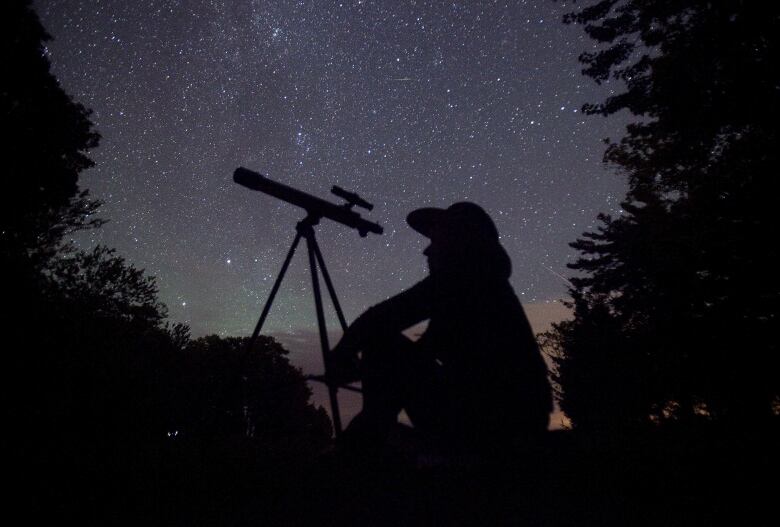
x: 409, y: 104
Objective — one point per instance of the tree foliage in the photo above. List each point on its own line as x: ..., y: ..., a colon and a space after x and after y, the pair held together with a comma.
x: 674, y: 301
x: 46, y: 136
x: 225, y: 389
x: 103, y: 396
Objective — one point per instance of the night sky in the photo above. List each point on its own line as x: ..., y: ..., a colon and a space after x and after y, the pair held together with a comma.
x: 409, y: 104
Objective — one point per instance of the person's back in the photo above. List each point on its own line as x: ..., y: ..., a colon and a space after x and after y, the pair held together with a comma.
x: 495, y: 379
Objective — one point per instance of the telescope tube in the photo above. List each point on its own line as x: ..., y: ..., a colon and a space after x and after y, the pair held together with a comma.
x: 313, y: 205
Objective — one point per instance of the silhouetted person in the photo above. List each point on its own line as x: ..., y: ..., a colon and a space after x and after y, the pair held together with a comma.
x: 475, y: 382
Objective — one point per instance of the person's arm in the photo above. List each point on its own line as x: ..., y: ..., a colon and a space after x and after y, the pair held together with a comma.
x: 388, y: 318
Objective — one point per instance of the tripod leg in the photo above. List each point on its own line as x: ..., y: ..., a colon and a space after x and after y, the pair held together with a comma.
x: 274, y: 290
x: 329, y: 284
x: 332, y: 389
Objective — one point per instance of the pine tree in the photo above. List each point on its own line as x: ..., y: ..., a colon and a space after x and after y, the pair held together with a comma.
x: 674, y: 301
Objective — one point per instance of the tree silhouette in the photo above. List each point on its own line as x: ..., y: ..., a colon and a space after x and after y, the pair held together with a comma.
x: 225, y: 390
x: 45, y: 141
x: 102, y: 395
x: 674, y: 302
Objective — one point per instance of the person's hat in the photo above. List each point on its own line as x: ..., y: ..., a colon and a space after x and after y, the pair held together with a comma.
x: 464, y: 220
x: 467, y: 226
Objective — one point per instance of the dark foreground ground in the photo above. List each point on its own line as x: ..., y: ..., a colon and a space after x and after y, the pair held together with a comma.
x: 660, y: 479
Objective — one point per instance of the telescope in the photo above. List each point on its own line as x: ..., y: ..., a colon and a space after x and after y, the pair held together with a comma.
x: 316, y: 207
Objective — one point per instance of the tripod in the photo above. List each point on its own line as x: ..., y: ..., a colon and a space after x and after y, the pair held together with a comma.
x: 305, y: 229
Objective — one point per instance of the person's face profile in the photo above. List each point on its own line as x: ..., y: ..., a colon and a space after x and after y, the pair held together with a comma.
x: 430, y: 253
x: 443, y: 250
x: 437, y: 252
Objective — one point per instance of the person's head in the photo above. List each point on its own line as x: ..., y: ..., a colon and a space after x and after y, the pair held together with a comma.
x: 464, y: 240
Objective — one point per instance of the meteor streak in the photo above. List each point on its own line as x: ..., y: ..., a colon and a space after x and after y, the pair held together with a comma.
x: 558, y: 275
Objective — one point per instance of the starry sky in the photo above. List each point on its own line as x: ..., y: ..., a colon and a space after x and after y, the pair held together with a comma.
x: 408, y: 103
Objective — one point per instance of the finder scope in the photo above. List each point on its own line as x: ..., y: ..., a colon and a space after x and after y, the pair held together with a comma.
x: 352, y: 198
x: 314, y: 206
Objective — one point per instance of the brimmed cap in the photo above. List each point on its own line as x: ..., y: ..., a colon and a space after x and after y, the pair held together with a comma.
x: 463, y: 219
x: 469, y: 232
